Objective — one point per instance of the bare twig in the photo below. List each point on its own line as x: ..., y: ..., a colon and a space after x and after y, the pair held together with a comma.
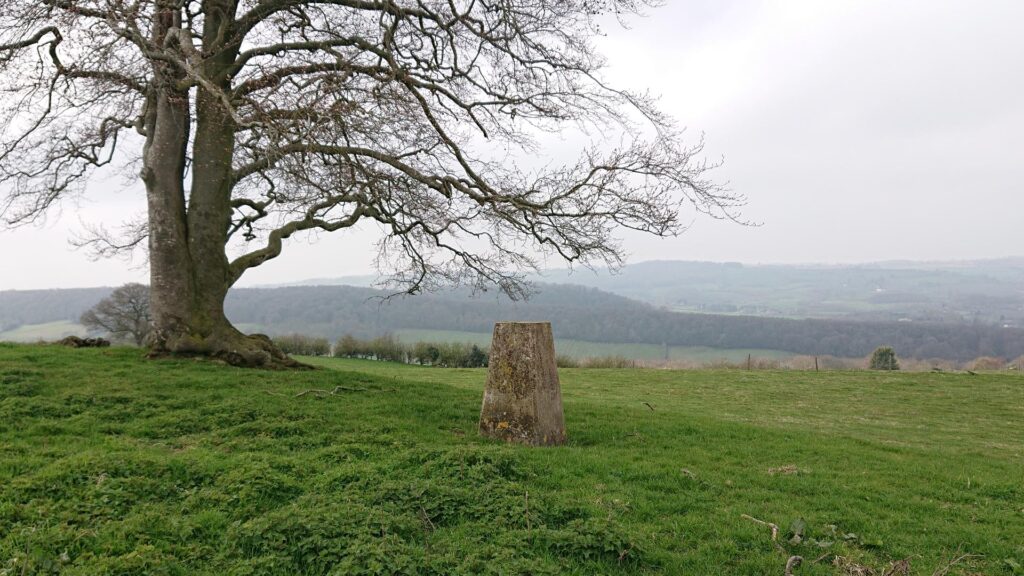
x: 792, y: 563
x: 426, y: 519
x: 624, y: 553
x: 321, y: 393
x: 822, y: 557
x: 774, y: 528
x: 943, y: 570
x: 898, y: 568
x: 529, y: 528
x: 649, y: 406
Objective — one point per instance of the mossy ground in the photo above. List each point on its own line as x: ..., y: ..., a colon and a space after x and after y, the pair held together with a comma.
x: 112, y: 464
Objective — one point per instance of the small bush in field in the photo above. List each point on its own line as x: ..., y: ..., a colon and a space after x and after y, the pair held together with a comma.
x: 884, y: 358
x: 564, y: 361
x: 608, y: 362
x: 348, y: 347
x: 988, y: 363
x: 388, y: 349
x: 425, y: 353
x: 303, y: 345
x: 461, y: 356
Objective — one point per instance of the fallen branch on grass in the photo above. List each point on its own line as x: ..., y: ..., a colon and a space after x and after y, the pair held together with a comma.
x: 321, y: 393
x: 773, y: 527
x: 942, y: 571
x: 792, y: 563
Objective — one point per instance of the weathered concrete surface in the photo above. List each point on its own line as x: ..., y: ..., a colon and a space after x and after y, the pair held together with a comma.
x: 523, y: 399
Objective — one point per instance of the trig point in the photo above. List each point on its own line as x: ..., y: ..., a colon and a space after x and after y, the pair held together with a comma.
x: 523, y: 399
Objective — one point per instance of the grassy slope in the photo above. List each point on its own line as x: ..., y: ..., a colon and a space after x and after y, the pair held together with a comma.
x: 583, y: 349
x: 48, y: 331
x: 114, y: 465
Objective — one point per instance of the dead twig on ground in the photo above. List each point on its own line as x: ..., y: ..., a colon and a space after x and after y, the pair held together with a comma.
x: 624, y: 553
x: 426, y: 519
x: 943, y: 570
x: 785, y: 470
x: 529, y: 528
x: 321, y: 393
x: 792, y: 563
x: 774, y: 528
x: 898, y: 568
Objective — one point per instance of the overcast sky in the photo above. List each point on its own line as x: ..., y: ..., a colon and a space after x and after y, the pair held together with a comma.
x: 860, y: 131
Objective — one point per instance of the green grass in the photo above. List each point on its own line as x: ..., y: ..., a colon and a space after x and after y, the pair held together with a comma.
x: 583, y: 349
x: 111, y: 464
x: 48, y: 331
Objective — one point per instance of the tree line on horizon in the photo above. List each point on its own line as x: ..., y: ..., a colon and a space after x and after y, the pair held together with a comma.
x: 575, y: 312
x: 592, y: 315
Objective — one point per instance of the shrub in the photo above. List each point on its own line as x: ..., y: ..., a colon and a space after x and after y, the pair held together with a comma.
x: 388, y: 349
x: 303, y: 345
x: 608, y: 362
x: 988, y: 363
x: 884, y: 358
x: 425, y: 353
x: 477, y: 357
x: 347, y: 347
x: 461, y: 356
x: 563, y: 361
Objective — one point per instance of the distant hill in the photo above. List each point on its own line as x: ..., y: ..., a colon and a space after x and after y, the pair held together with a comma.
x: 589, y: 314
x: 576, y: 312
x: 27, y: 307
x: 986, y: 291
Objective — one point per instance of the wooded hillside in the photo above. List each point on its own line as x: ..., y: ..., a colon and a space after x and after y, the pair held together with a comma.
x: 576, y: 312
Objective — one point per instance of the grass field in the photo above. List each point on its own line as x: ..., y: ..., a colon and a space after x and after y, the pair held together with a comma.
x: 111, y: 464
x: 37, y: 332
x: 583, y: 349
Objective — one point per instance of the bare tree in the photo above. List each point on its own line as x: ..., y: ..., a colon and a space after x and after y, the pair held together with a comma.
x: 124, y: 314
x: 253, y: 120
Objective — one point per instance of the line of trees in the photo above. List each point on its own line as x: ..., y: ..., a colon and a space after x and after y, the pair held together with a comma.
x: 591, y: 315
x: 575, y: 312
x: 389, y: 348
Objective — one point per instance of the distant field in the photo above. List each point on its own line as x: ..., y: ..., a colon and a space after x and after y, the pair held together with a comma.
x: 582, y: 349
x: 575, y: 348
x: 112, y: 464
x: 48, y: 331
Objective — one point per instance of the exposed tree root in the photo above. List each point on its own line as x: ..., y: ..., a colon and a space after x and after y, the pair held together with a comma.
x: 229, y: 346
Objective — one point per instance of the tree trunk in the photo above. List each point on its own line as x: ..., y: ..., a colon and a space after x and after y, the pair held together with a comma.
x: 189, y: 269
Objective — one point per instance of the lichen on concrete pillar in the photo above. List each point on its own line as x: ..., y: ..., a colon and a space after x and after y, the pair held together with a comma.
x: 523, y: 399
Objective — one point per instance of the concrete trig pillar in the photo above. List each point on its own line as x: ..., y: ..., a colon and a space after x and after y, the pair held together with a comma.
x: 523, y: 399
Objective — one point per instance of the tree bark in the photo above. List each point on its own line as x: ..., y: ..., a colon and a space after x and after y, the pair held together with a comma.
x: 189, y: 269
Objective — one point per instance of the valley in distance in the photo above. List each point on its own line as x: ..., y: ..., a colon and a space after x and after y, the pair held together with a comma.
x: 960, y: 314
